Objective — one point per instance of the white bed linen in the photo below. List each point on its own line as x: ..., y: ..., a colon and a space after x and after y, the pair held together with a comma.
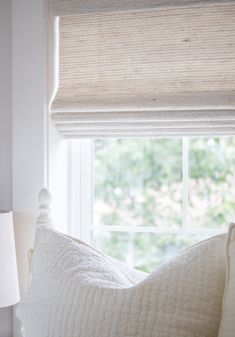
x: 76, y: 291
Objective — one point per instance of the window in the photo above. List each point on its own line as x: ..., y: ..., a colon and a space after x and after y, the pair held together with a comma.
x: 143, y: 200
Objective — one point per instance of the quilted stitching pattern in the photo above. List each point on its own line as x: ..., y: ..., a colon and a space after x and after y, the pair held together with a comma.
x: 76, y: 291
x: 227, y: 328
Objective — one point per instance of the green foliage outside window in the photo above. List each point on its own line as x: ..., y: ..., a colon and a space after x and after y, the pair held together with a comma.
x: 138, y: 182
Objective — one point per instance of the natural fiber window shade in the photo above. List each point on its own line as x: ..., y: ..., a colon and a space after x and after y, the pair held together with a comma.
x: 173, y: 59
x: 70, y: 7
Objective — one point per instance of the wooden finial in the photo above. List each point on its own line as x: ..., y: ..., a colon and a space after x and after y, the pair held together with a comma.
x: 45, y: 201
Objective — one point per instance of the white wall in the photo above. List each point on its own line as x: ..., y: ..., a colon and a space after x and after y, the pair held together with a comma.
x: 6, y: 328
x: 33, y: 133
x: 27, y: 138
x: 30, y: 115
x: 5, y: 105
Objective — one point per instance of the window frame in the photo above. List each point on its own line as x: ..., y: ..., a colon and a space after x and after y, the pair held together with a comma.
x: 81, y: 196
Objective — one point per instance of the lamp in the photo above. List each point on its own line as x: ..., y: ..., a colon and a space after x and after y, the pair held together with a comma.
x: 9, y: 287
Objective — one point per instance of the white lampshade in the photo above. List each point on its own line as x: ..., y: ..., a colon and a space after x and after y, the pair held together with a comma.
x: 9, y: 286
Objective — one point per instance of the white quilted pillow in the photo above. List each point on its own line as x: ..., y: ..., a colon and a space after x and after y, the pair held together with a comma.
x: 76, y: 291
x: 227, y: 327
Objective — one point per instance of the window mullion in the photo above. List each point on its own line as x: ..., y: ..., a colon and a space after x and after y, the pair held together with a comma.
x: 86, y: 190
x: 73, y: 191
x: 185, y: 169
x: 81, y: 188
x: 159, y: 231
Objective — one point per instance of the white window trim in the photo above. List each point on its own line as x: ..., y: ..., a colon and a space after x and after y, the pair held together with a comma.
x: 185, y: 179
x: 80, y: 192
x: 80, y: 188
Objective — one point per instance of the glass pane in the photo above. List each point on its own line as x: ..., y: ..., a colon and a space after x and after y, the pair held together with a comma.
x: 211, y: 183
x: 138, y: 182
x: 144, y: 251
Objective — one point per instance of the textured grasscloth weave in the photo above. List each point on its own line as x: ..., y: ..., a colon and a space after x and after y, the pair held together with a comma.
x: 227, y: 327
x: 122, y: 67
x: 76, y: 291
x: 68, y: 7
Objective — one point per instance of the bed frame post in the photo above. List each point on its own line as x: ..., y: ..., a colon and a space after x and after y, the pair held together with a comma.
x: 45, y: 201
x: 44, y: 218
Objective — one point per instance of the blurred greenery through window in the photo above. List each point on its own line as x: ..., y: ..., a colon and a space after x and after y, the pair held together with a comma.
x: 145, y: 207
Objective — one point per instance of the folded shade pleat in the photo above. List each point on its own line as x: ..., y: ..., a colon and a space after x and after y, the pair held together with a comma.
x: 147, y: 66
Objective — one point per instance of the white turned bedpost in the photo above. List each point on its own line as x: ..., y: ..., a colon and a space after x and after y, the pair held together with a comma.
x: 44, y: 218
x: 45, y: 201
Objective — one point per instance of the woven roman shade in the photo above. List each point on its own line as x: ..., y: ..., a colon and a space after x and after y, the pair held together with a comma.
x: 145, y: 68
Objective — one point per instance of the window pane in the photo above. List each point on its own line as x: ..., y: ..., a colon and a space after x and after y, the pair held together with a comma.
x: 144, y: 251
x: 138, y: 182
x: 211, y: 183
